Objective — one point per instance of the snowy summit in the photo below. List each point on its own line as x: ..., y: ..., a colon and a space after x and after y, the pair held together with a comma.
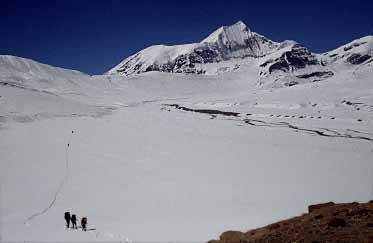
x: 239, y: 37
x: 238, y: 33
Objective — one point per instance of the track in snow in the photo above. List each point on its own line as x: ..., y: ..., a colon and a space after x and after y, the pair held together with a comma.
x: 59, y: 189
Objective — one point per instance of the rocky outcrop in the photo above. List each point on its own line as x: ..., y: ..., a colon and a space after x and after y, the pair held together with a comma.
x: 327, y: 222
x: 357, y: 59
x: 296, y: 58
x: 315, y: 207
x: 318, y: 74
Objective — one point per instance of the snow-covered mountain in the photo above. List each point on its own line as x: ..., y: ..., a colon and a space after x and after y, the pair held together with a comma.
x: 234, y: 47
x: 30, y: 90
x: 356, y: 53
x: 226, y: 43
x: 27, y: 73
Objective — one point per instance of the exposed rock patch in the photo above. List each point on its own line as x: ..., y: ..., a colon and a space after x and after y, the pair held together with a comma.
x: 357, y: 59
x: 313, y: 208
x: 326, y: 74
x: 327, y: 222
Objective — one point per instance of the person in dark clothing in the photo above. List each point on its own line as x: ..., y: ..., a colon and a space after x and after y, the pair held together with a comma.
x: 67, y: 219
x: 84, y: 224
x: 73, y: 221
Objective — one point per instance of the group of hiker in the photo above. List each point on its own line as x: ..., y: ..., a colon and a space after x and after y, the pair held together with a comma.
x: 72, y: 218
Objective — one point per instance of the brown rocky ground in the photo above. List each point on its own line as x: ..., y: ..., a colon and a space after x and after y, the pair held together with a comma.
x: 328, y: 222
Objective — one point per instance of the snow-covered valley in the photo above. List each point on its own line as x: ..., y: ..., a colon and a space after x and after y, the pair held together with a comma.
x: 172, y: 156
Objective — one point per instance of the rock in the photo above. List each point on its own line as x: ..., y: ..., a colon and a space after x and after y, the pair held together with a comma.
x: 330, y: 224
x: 315, y: 207
x: 299, y: 57
x: 324, y: 75
x: 357, y: 59
x: 337, y: 222
x: 231, y: 237
x: 359, y: 212
x: 291, y: 83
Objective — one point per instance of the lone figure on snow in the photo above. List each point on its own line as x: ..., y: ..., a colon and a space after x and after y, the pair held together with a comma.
x: 73, y: 221
x: 84, y: 224
x: 67, y: 219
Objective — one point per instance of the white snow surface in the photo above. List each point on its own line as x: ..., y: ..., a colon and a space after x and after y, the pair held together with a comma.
x: 141, y: 170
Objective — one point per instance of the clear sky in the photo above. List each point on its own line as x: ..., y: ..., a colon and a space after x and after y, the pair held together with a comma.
x: 93, y: 36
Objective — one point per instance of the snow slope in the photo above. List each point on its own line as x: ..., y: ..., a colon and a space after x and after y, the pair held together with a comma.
x: 164, y: 156
x: 27, y: 73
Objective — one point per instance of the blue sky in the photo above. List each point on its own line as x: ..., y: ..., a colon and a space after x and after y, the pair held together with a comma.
x: 93, y: 36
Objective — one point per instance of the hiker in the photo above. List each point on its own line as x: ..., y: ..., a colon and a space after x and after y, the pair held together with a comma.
x: 84, y: 224
x: 73, y: 221
x: 67, y: 219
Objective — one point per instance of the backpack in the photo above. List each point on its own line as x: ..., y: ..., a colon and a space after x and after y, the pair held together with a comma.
x: 84, y: 220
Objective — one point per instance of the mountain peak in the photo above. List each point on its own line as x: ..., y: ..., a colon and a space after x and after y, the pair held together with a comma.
x: 240, y: 23
x: 237, y: 33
